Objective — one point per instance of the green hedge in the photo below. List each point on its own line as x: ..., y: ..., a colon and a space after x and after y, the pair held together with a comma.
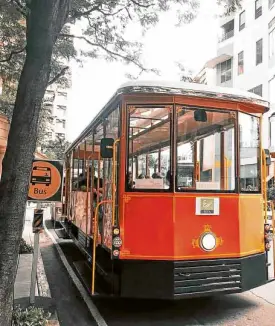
x: 31, y: 316
x: 25, y: 248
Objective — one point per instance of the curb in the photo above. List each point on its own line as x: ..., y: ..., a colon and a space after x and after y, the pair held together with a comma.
x: 42, y: 281
x: 43, y: 287
x: 82, y: 291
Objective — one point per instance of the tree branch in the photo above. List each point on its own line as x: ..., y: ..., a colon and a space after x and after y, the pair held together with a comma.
x: 141, y: 5
x: 110, y: 52
x: 79, y: 14
x: 20, y: 7
x: 12, y: 54
x: 111, y: 13
x: 60, y: 74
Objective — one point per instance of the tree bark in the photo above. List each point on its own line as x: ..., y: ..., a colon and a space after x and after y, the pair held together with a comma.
x: 44, y: 23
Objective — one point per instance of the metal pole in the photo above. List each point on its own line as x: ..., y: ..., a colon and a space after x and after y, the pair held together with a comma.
x: 34, y: 267
x: 34, y: 263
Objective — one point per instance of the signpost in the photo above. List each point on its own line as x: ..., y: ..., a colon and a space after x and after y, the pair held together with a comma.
x: 46, y: 185
x: 37, y: 227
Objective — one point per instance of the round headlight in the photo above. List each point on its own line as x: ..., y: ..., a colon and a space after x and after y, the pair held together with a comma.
x: 208, y: 242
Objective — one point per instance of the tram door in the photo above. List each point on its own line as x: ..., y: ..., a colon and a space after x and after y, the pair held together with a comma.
x: 109, y: 168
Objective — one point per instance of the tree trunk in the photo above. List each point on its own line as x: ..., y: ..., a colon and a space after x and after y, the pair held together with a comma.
x: 44, y: 23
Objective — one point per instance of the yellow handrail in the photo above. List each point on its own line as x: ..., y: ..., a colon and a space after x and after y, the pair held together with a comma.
x: 225, y: 173
x: 197, y: 176
x: 114, y: 181
x: 94, y: 242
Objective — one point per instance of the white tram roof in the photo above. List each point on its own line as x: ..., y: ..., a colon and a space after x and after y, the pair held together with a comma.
x: 194, y: 90
x: 178, y: 88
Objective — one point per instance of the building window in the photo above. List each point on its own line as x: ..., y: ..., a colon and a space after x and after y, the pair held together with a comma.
x: 63, y: 94
x: 61, y: 111
x: 259, y: 51
x: 242, y: 20
x: 271, y: 23
x: 60, y: 135
x: 240, y: 63
x: 271, y: 3
x: 258, y: 90
x: 226, y: 71
x: 271, y: 95
x: 258, y: 8
x: 272, y: 43
x: 227, y: 31
x: 49, y: 96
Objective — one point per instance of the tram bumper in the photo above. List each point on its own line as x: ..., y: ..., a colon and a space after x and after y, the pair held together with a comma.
x: 194, y: 278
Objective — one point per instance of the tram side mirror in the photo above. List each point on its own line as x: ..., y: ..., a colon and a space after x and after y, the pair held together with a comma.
x: 200, y: 115
x: 267, y: 157
x: 106, y: 147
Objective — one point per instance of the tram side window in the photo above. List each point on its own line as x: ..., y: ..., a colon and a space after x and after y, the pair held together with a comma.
x: 249, y: 153
x: 149, y: 148
x: 112, y: 124
x: 205, y: 150
x: 78, y: 170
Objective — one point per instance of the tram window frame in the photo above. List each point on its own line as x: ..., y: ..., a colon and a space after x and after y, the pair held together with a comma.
x: 235, y: 152
x: 259, y: 162
x: 112, y: 129
x: 171, y: 135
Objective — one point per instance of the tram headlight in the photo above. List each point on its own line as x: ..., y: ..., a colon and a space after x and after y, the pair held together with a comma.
x: 208, y: 242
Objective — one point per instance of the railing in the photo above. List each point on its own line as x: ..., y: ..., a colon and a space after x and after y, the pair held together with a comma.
x: 226, y: 36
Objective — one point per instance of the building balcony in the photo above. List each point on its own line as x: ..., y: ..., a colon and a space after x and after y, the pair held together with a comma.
x: 226, y: 36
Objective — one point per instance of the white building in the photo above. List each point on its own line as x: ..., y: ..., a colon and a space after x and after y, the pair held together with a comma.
x: 246, y: 56
x: 56, y: 99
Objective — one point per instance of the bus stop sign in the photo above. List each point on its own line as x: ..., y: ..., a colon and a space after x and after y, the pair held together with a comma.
x: 46, y: 181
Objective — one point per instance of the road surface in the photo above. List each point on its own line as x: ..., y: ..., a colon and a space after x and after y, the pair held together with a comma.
x: 248, y: 308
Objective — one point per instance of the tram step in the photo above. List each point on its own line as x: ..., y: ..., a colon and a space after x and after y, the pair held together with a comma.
x: 85, y: 274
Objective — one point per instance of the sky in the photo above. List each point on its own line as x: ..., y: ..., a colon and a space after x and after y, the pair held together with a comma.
x: 165, y: 44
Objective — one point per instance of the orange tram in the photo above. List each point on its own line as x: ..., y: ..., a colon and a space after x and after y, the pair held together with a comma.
x: 165, y: 192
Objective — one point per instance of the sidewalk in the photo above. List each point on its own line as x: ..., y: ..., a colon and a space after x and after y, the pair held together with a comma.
x: 43, y: 298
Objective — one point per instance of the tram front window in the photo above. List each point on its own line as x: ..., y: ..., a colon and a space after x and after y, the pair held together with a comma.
x: 249, y: 152
x: 149, y: 148
x: 205, y: 151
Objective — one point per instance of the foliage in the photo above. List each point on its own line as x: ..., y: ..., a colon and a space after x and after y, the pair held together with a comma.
x: 25, y: 248
x: 54, y: 149
x: 104, y: 29
x: 12, y: 57
x: 13, y: 45
x: 230, y: 6
x: 104, y: 32
x: 31, y: 316
x: 185, y: 74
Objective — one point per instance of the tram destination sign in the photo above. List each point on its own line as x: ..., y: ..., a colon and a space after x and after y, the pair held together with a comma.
x: 46, y: 181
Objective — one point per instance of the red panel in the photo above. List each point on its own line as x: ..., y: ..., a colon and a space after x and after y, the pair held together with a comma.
x: 148, y: 226
x: 167, y: 227
x: 189, y: 227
